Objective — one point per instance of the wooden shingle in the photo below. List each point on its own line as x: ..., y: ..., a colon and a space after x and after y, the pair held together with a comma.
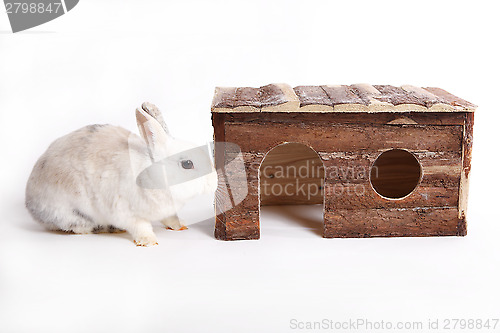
x: 338, y: 98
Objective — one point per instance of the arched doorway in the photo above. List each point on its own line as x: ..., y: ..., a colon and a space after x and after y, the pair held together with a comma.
x: 292, y: 175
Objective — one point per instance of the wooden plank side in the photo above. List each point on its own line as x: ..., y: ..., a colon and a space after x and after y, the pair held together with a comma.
x: 259, y: 137
x: 428, y: 118
x: 440, y: 167
x: 237, y: 199
x: 244, y: 182
x: 435, y: 221
x: 350, y: 171
x: 348, y: 184
x: 466, y: 167
x: 242, y: 224
x: 220, y: 227
x: 362, y: 196
x: 238, y: 223
x: 218, y: 123
x: 299, y: 180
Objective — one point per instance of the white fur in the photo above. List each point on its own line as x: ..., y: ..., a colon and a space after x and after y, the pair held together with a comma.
x: 86, y: 181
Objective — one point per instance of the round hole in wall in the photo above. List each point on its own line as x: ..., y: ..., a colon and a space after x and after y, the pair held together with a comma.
x: 395, y: 174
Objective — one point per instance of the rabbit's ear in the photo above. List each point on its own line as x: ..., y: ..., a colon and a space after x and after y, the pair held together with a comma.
x: 154, y: 112
x: 153, y: 133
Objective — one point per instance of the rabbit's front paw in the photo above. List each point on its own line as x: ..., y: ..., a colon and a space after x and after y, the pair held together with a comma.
x: 142, y: 233
x: 146, y: 240
x: 173, y: 223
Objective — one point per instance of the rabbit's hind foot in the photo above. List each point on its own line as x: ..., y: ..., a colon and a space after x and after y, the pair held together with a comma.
x: 173, y: 223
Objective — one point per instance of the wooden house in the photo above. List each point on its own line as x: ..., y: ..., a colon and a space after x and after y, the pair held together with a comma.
x: 383, y: 160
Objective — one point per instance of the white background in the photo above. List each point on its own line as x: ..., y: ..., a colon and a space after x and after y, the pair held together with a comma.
x: 102, y: 59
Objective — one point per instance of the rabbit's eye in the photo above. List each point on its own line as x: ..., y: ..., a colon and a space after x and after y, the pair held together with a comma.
x: 187, y: 164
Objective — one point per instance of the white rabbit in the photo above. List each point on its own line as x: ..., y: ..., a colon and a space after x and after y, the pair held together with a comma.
x: 104, y: 178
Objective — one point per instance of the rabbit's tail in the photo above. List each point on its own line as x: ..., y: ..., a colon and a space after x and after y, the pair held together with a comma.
x: 61, y: 218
